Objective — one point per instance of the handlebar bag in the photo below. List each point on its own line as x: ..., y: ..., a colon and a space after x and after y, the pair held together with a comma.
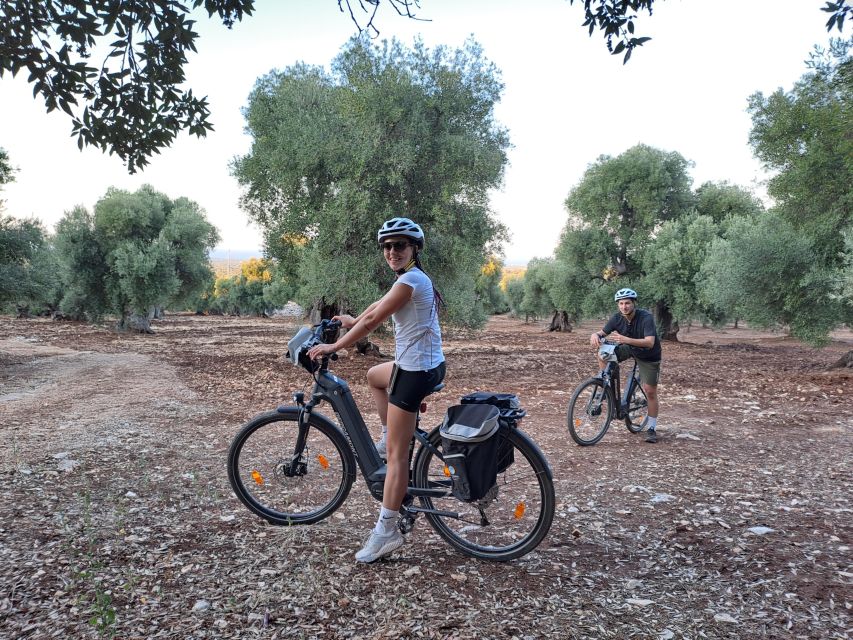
x: 469, y: 439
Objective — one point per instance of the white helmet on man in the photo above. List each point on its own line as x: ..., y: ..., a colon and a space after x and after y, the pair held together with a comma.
x: 402, y: 227
x: 624, y: 294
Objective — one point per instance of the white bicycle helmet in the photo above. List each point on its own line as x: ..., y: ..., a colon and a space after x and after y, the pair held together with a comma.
x: 624, y: 294
x: 402, y: 227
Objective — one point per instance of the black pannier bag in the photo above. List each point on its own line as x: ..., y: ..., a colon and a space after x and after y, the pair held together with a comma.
x: 511, y: 414
x: 468, y: 438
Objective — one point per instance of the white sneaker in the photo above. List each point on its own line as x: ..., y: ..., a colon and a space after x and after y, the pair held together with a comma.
x: 381, y: 446
x: 378, y: 546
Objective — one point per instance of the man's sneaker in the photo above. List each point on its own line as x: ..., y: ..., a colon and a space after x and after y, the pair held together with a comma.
x: 652, y: 436
x: 381, y: 447
x: 378, y: 546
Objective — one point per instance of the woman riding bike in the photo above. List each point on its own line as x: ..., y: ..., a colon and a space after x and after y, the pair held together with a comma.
x: 398, y: 387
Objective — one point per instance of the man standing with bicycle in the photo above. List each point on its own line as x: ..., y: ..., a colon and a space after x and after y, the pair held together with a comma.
x: 634, y: 331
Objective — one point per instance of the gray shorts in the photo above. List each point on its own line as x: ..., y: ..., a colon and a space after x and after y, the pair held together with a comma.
x: 649, y: 371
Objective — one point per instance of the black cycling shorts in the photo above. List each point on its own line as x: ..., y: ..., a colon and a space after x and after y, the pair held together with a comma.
x: 409, y: 388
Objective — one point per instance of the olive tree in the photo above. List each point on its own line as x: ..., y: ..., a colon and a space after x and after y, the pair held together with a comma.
x: 582, y: 269
x: 629, y: 197
x: 135, y: 253
x: 763, y: 270
x: 388, y: 131
x: 671, y: 266
x: 803, y: 137
x: 27, y: 274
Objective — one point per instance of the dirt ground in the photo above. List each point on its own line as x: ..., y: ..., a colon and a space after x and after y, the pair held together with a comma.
x: 116, y: 518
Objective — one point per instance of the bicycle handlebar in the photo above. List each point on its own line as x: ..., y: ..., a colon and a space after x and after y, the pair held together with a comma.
x: 326, y: 332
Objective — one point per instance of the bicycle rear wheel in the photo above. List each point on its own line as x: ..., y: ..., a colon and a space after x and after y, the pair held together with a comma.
x: 287, y: 479
x: 590, y: 412
x: 510, y: 521
x: 637, y: 413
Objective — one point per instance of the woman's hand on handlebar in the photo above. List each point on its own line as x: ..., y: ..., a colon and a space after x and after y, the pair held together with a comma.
x: 347, y: 321
x: 321, y: 350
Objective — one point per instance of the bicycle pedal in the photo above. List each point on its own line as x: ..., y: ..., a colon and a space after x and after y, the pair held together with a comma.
x: 406, y: 522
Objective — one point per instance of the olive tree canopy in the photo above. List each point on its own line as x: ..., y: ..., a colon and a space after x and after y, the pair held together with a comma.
x: 389, y: 131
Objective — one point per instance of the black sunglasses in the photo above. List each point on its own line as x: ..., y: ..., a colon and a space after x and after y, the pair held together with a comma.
x: 397, y: 246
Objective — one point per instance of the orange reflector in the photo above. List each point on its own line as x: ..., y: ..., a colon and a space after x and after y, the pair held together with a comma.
x: 578, y: 422
x: 446, y: 471
x: 323, y: 460
x: 257, y: 477
x: 519, y: 510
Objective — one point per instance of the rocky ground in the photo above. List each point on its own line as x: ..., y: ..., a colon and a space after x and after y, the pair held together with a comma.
x: 116, y: 518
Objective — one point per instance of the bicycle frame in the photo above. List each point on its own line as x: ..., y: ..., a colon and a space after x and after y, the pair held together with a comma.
x: 611, y: 378
x: 332, y: 389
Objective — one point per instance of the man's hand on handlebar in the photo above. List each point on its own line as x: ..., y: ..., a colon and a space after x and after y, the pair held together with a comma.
x: 595, y: 339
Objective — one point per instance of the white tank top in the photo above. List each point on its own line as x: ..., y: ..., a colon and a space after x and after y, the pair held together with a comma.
x: 416, y: 331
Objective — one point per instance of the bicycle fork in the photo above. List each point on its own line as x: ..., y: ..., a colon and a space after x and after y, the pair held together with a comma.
x: 593, y: 406
x: 298, y: 466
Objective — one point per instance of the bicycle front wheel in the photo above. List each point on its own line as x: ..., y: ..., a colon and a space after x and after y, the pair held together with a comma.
x: 290, y: 475
x: 637, y: 411
x: 590, y: 412
x: 510, y: 521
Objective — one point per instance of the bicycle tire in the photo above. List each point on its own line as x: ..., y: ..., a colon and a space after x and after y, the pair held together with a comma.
x: 519, y: 509
x: 259, y: 459
x: 590, y: 412
x: 637, y: 411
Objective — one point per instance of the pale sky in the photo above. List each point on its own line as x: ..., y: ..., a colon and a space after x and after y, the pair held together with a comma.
x: 566, y: 101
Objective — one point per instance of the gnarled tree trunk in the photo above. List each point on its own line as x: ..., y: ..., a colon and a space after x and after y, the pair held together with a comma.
x: 845, y: 361
x: 560, y: 322
x: 365, y: 347
x: 667, y: 325
x: 320, y: 310
x: 135, y: 322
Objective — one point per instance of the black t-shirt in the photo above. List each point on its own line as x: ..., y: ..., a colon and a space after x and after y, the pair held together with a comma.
x: 641, y: 326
